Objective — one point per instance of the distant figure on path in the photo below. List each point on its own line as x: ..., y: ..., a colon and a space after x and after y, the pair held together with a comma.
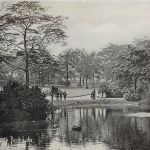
x: 93, y: 94
x: 104, y: 95
x: 52, y: 89
x: 65, y: 95
x: 61, y: 95
x: 52, y: 95
x: 57, y: 96
x: 52, y: 92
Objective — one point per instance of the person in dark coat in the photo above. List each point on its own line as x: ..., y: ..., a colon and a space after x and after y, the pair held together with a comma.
x: 57, y: 96
x: 93, y: 94
x: 65, y: 95
x: 61, y: 95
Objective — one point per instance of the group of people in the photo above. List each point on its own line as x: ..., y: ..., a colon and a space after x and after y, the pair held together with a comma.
x: 60, y: 95
x: 55, y: 91
x: 101, y: 94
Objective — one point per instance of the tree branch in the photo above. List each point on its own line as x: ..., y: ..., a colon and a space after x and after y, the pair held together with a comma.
x: 41, y: 39
x: 14, y: 44
x: 11, y: 65
x: 17, y: 30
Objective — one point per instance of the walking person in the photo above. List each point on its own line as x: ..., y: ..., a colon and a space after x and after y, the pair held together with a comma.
x: 52, y: 95
x: 104, y: 95
x: 61, y: 95
x: 65, y: 95
x: 93, y: 94
x: 57, y: 96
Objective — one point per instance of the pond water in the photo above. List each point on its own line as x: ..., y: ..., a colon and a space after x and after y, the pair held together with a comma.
x: 84, y: 129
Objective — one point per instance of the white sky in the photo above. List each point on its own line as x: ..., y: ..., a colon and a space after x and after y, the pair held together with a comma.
x: 94, y: 24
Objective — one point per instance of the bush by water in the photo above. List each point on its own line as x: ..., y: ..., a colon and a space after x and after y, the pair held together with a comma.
x: 30, y: 100
x: 132, y: 97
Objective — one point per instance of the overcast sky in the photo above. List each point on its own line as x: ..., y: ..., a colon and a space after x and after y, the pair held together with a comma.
x: 94, y: 24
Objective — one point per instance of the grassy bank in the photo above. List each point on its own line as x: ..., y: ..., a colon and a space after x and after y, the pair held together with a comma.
x: 94, y: 103
x: 73, y: 101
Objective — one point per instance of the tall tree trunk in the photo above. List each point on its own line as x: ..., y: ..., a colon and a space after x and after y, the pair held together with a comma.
x: 80, y: 117
x: 67, y: 75
x: 42, y: 76
x: 27, y: 70
x: 48, y: 78
x: 135, y: 85
x: 93, y: 79
x: 26, y: 59
x: 148, y: 92
x: 37, y: 81
x: 83, y: 82
x: 39, y: 74
x: 80, y: 80
x: 86, y: 83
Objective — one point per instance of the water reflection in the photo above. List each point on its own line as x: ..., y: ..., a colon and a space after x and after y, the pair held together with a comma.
x: 84, y: 128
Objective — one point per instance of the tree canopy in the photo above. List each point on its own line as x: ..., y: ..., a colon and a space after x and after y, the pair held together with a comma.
x: 26, y: 31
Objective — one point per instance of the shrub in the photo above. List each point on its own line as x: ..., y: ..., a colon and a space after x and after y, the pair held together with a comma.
x: 1, y: 97
x: 132, y: 97
x: 31, y: 100
x: 10, y: 94
x: 144, y: 102
x: 118, y: 94
x: 35, y: 102
x: 113, y: 94
x: 110, y: 89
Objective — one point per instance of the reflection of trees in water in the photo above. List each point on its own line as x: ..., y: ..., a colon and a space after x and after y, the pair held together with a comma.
x: 36, y: 138
x: 29, y: 133
x: 101, y: 125
x: 96, y: 125
x: 87, y: 119
x: 128, y: 135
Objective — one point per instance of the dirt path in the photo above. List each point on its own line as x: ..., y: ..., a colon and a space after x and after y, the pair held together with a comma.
x: 74, y: 99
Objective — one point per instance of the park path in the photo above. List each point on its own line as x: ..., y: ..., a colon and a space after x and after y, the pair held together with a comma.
x: 80, y: 94
x: 74, y: 101
x: 76, y: 93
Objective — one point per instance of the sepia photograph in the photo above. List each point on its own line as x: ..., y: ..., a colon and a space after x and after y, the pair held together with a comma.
x: 75, y: 75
